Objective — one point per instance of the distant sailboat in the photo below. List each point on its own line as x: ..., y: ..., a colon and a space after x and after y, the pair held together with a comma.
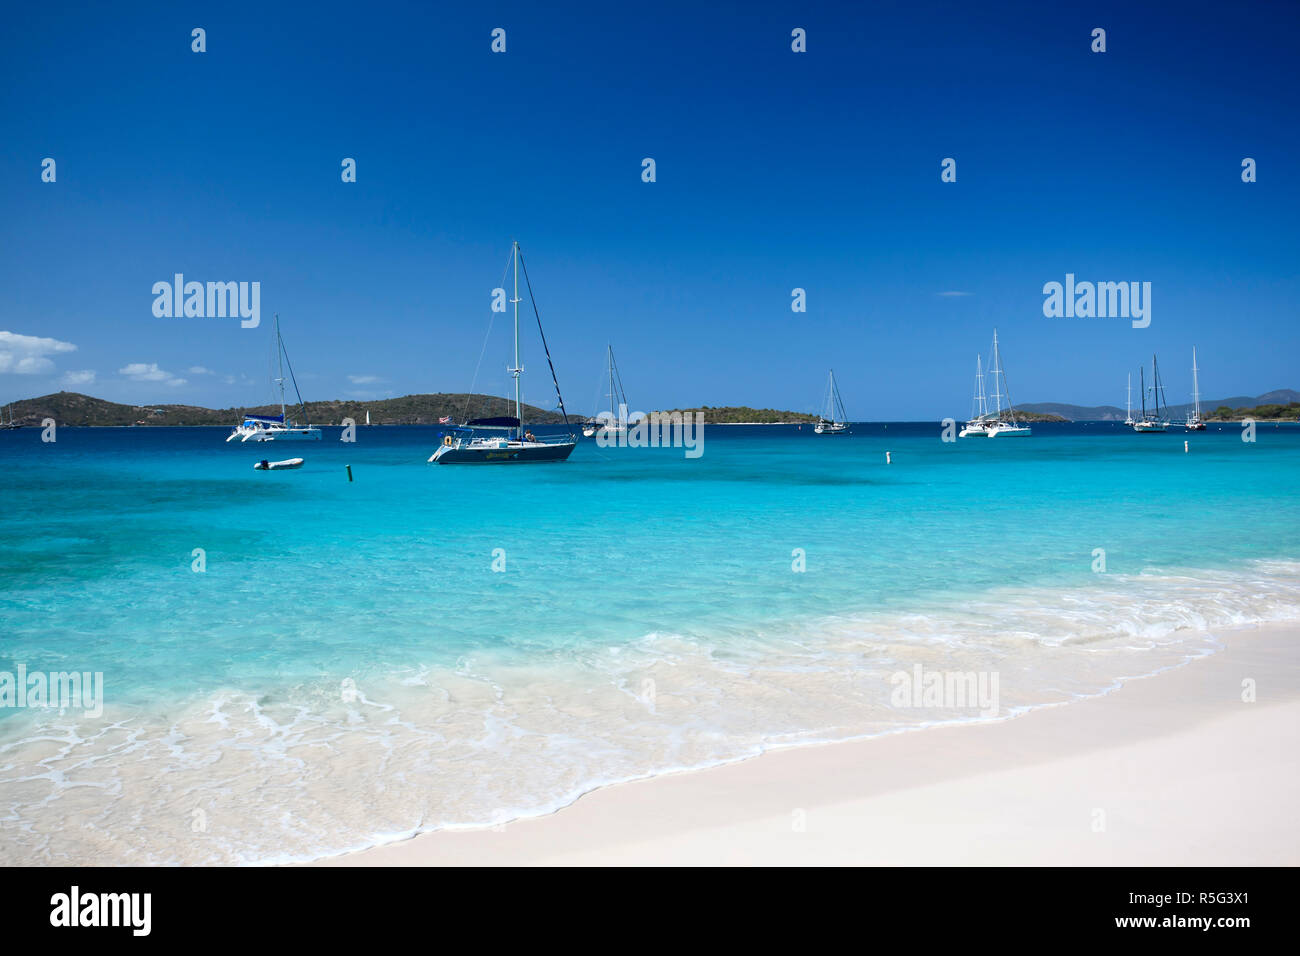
x: 1194, y: 423
x: 999, y: 422
x: 277, y: 427
x: 10, y: 423
x: 1128, y: 401
x: 833, y: 420
x: 1153, y: 422
x: 616, y: 420
x: 979, y: 412
x: 462, y: 445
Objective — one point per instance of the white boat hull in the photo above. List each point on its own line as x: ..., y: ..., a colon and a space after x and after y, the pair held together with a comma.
x: 1010, y: 431
x: 285, y: 465
x: 501, y: 451
x: 309, y: 433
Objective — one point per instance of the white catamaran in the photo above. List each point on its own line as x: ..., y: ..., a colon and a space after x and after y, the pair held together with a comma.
x: 1153, y: 422
x: 1194, y: 423
x: 833, y: 420
x: 462, y: 445
x: 277, y: 427
x: 615, y: 421
x: 999, y: 422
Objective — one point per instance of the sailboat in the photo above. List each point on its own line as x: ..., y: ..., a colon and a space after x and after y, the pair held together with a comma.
x: 1128, y: 401
x: 1194, y: 423
x: 1152, y: 422
x: 615, y: 421
x: 277, y: 427
x: 10, y: 423
x: 832, y: 420
x: 979, y: 412
x: 463, y: 445
x: 996, y: 423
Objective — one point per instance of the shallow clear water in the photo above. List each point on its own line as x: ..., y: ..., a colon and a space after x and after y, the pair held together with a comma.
x: 350, y: 668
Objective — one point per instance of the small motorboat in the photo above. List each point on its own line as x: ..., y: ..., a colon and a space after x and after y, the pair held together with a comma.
x: 265, y: 465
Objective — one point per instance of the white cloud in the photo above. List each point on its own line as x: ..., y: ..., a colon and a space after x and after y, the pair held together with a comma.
x: 364, y: 379
x: 142, y: 372
x: 200, y: 370
x: 73, y: 379
x: 952, y: 295
x: 26, y: 354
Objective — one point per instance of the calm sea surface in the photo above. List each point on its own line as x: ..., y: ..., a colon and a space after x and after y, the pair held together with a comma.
x: 349, y: 668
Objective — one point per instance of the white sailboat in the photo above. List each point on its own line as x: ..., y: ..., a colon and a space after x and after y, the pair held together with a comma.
x: 615, y: 421
x: 833, y: 418
x: 462, y: 445
x: 1128, y: 401
x: 1000, y: 422
x: 1153, y: 422
x: 1194, y: 423
x: 277, y: 427
x: 979, y: 412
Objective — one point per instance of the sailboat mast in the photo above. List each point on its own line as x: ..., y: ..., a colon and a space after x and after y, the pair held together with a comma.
x: 516, y: 370
x: 1155, y: 384
x: 1196, y: 389
x: 1142, y: 387
x: 997, y: 371
x: 1128, y: 399
x: 279, y: 354
x: 610, y: 355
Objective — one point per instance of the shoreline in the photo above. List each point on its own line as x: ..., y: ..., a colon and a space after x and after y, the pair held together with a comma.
x: 1173, y: 768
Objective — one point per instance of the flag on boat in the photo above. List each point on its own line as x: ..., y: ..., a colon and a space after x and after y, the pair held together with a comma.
x: 445, y: 420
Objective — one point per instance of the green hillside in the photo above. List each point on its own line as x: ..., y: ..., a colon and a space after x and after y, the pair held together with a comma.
x: 739, y: 414
x: 1289, y: 412
x: 73, y: 408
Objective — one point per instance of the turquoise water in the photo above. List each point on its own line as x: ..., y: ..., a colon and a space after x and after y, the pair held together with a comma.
x: 349, y: 668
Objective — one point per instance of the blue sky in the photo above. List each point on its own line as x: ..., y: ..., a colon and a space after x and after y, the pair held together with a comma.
x: 775, y: 170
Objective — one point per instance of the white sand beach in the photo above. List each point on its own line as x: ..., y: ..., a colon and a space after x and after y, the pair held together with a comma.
x: 1174, y: 769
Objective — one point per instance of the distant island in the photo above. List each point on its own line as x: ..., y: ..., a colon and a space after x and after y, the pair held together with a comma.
x: 1270, y: 405
x: 742, y: 415
x: 73, y: 408
x: 1271, y: 412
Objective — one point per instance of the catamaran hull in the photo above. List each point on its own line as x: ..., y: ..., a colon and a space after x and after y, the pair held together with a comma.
x: 831, y: 430
x: 293, y: 434
x: 1148, y: 427
x: 1016, y: 432
x: 511, y: 454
